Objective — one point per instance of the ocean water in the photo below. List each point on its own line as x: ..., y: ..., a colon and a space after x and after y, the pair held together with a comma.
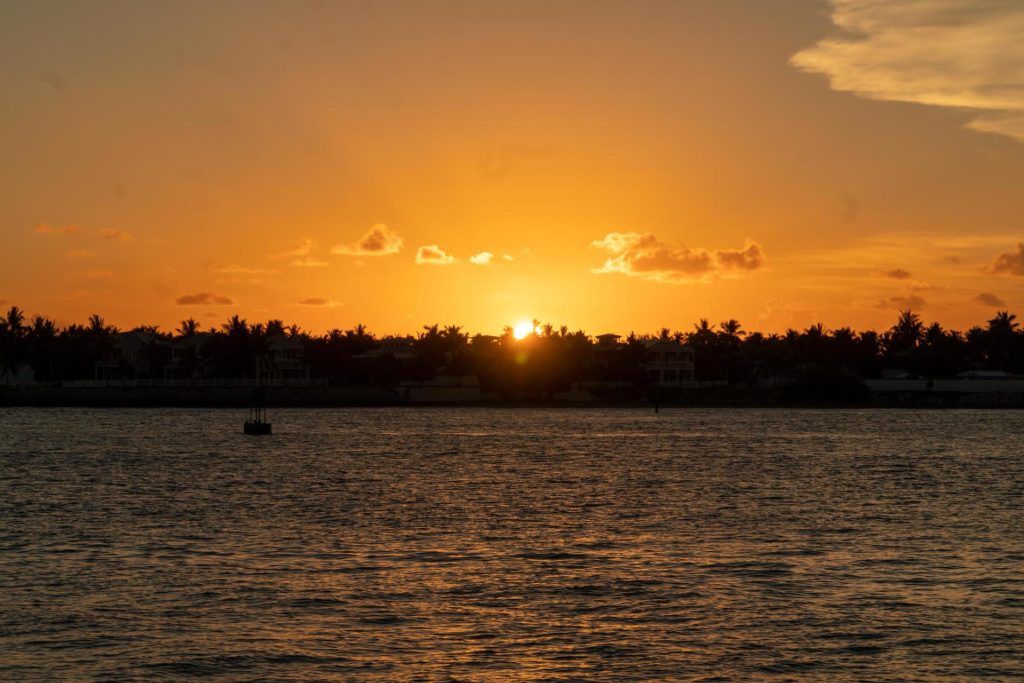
x: 512, y: 544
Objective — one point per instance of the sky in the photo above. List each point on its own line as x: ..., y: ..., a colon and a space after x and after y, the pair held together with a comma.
x: 609, y: 166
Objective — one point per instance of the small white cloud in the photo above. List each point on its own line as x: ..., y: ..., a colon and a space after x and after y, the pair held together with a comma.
x: 508, y: 257
x: 433, y: 255
x: 380, y: 240
x: 481, y: 259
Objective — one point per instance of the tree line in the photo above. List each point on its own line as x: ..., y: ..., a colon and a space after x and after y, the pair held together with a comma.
x: 548, y: 360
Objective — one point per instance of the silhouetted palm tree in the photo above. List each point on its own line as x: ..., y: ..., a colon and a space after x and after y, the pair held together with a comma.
x: 188, y: 327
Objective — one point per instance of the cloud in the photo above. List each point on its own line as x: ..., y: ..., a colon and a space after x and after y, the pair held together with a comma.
x: 308, y: 262
x: 114, y: 234
x: 1010, y: 263
x: 204, y: 299
x: 989, y: 299
x: 950, y: 53
x: 911, y: 301
x: 507, y: 257
x: 99, y: 274
x: 80, y: 253
x: 433, y: 255
x: 896, y: 274
x: 240, y: 270
x: 380, y: 240
x: 303, y: 247
x: 54, y: 80
x: 642, y: 255
x: 47, y: 229
x: 482, y: 259
x: 319, y: 301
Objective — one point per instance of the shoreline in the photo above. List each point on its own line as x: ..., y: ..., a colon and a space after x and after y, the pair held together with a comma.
x: 377, y: 397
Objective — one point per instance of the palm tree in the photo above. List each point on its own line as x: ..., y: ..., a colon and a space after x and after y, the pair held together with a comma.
x: 906, y: 333
x: 731, y: 328
x: 275, y: 327
x: 188, y: 327
x: 1003, y: 324
x: 12, y: 348
x: 14, y: 321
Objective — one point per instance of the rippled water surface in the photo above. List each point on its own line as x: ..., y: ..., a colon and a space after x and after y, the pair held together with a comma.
x: 479, y: 544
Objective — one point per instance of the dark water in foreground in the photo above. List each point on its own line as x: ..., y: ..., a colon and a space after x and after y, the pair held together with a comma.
x: 478, y: 544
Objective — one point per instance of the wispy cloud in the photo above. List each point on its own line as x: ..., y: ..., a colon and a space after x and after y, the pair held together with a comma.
x: 308, y: 262
x: 234, y: 269
x: 643, y: 255
x: 47, y: 229
x: 380, y: 240
x: 99, y: 274
x: 301, y: 247
x: 433, y: 255
x: 965, y: 54
x: 80, y: 253
x: 989, y: 299
x: 204, y: 299
x: 482, y: 259
x: 319, y: 301
x: 1010, y: 263
x: 115, y: 234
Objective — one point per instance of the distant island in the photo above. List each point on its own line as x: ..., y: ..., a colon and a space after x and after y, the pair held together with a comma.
x: 910, y: 363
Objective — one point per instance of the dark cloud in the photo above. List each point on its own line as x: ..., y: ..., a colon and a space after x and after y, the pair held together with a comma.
x: 318, y: 301
x: 897, y: 274
x: 989, y: 299
x: 204, y: 299
x: 642, y: 255
x: 54, y: 80
x: 910, y: 301
x: 1010, y: 263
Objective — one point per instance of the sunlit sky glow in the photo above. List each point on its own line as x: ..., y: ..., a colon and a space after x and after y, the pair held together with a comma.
x: 610, y: 166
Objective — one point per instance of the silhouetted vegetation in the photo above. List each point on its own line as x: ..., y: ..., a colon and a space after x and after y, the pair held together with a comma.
x: 815, y: 364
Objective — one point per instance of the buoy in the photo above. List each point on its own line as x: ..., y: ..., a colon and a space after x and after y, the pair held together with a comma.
x: 257, y: 424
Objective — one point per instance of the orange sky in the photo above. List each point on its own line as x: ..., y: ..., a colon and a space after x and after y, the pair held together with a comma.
x: 627, y: 165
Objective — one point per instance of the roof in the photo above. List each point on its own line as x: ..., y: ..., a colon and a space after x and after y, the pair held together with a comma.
x: 666, y: 345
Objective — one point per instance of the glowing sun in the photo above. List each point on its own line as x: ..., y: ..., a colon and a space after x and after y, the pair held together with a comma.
x: 522, y: 329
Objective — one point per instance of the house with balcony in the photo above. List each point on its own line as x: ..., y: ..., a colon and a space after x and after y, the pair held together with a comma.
x: 134, y: 354
x: 189, y: 359
x: 399, y: 348
x: 668, y: 363
x: 286, y: 359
